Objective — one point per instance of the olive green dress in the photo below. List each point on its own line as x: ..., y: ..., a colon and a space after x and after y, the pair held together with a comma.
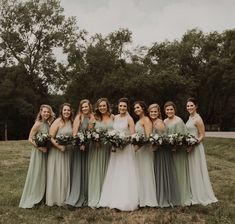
x: 35, y: 184
x: 180, y: 158
x: 98, y: 163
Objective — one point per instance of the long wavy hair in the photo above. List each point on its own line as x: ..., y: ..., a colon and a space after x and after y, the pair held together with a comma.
x: 143, y: 106
x: 98, y: 115
x: 52, y: 114
x: 79, y: 113
x: 61, y: 112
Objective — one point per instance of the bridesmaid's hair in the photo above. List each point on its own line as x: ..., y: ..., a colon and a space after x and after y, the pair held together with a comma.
x: 155, y: 105
x: 61, y: 110
x: 193, y: 100
x: 170, y: 103
x: 80, y: 106
x: 124, y: 100
x: 52, y: 114
x: 98, y: 115
x: 143, y: 106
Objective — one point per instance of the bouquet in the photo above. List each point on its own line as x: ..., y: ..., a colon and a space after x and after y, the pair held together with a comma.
x: 117, y: 139
x: 79, y: 138
x: 42, y: 140
x: 138, y: 139
x: 190, y: 141
x: 64, y: 139
x: 97, y: 134
x: 156, y: 139
x: 175, y: 140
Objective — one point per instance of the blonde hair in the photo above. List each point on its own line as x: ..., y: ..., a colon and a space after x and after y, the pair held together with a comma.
x: 155, y: 105
x: 52, y: 114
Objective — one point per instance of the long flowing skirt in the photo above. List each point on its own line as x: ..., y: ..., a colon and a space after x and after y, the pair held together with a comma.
x: 75, y: 177
x: 146, y: 177
x: 166, y: 183
x: 58, y: 176
x: 180, y: 158
x: 99, y: 157
x: 202, y: 191
x: 35, y: 184
x: 120, y: 185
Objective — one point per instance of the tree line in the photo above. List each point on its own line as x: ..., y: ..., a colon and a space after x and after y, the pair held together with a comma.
x: 199, y: 64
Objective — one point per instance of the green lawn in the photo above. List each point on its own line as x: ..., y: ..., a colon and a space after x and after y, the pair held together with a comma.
x: 14, y: 159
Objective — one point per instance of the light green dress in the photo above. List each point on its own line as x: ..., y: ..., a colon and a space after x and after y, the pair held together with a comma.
x: 99, y: 159
x: 180, y: 158
x: 79, y: 173
x: 200, y: 181
x: 58, y: 171
x: 145, y: 173
x: 35, y: 184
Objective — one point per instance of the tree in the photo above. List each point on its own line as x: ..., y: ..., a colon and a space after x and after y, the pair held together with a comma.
x: 29, y: 31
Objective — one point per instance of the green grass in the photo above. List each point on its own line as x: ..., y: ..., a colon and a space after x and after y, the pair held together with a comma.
x: 14, y: 160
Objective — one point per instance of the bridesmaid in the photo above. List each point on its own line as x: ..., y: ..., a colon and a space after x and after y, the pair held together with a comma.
x: 166, y: 183
x: 99, y: 152
x: 59, y: 159
x: 35, y: 184
x: 79, y: 183
x: 200, y: 182
x: 144, y: 159
x: 174, y: 125
x: 120, y: 185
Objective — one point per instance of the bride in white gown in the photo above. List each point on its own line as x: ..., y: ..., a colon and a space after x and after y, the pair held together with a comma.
x: 120, y: 185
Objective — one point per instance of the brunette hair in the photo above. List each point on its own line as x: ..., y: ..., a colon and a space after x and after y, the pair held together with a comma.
x: 155, y: 105
x: 193, y: 100
x: 143, y: 106
x: 98, y: 115
x: 61, y: 111
x: 170, y: 103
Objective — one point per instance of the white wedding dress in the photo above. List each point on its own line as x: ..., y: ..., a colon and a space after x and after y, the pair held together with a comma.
x: 120, y: 185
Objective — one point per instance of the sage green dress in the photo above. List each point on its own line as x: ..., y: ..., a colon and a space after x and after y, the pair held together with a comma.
x: 35, y: 184
x: 180, y: 158
x: 99, y: 158
x: 58, y: 171
x: 145, y: 173
x: 200, y: 181
x: 167, y: 188
x: 79, y: 173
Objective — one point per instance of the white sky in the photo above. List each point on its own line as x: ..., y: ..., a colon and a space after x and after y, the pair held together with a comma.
x: 152, y: 20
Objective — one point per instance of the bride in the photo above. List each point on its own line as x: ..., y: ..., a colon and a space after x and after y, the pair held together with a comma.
x: 120, y: 185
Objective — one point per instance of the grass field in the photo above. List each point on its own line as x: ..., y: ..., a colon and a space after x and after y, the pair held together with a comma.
x: 14, y: 160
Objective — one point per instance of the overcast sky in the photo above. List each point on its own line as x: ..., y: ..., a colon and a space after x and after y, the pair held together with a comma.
x: 152, y: 20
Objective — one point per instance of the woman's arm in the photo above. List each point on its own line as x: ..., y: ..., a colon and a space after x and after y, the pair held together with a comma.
x: 131, y: 125
x: 201, y: 128
x: 148, y: 126
x: 53, y: 131
x: 76, y: 124
x: 33, y: 132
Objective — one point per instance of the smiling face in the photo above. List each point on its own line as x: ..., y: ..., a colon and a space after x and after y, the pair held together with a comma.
x: 66, y: 112
x: 153, y: 113
x: 103, y: 107
x: 85, y: 108
x: 45, y: 113
x: 170, y: 111
x: 138, y: 109
x: 122, y: 107
x: 191, y: 107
